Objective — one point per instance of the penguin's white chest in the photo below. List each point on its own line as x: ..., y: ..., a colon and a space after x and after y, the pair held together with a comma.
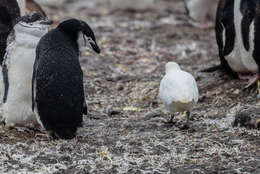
x: 240, y: 59
x: 17, y: 108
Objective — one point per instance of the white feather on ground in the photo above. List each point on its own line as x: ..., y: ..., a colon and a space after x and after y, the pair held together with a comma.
x: 178, y: 90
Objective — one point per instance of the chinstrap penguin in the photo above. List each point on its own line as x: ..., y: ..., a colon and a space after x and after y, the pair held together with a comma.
x: 178, y: 91
x: 57, y: 83
x: 237, y: 35
x: 17, y: 69
x: 202, y: 12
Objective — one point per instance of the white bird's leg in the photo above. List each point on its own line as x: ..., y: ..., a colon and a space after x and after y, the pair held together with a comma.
x: 187, y: 125
x: 188, y: 119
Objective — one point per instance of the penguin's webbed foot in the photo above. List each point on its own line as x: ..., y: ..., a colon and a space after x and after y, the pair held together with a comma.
x: 252, y: 79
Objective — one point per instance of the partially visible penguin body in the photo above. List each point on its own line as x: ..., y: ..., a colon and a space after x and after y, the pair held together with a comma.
x: 238, y: 38
x: 57, y: 83
x: 17, y: 69
x: 202, y: 12
x: 9, y: 13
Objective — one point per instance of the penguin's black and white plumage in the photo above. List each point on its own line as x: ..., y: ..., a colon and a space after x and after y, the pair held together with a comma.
x: 9, y: 13
x: 200, y: 11
x: 237, y: 35
x: 17, y: 69
x: 57, y: 82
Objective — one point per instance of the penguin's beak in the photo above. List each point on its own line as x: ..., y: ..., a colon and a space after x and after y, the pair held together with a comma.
x: 46, y: 22
x: 95, y: 48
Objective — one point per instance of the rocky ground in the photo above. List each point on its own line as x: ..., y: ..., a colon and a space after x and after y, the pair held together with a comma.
x: 125, y: 131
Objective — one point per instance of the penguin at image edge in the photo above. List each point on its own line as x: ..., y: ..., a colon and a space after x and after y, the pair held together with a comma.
x: 238, y: 38
x: 17, y: 68
x: 58, y: 97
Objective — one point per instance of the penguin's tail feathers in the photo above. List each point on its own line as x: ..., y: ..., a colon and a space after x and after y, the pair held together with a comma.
x: 213, y: 68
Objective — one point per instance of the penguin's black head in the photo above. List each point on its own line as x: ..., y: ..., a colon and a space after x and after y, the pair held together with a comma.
x: 76, y: 28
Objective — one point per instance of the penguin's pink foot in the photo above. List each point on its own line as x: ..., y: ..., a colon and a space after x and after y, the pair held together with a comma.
x: 205, y: 25
x: 252, y: 79
x: 245, y: 76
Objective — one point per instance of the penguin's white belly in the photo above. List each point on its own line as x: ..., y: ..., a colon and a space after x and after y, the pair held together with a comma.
x: 17, y: 110
x: 234, y: 60
x: 241, y: 60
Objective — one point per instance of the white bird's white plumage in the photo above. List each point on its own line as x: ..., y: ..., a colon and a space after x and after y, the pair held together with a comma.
x: 178, y: 89
x: 199, y: 10
x: 19, y: 59
x: 241, y: 60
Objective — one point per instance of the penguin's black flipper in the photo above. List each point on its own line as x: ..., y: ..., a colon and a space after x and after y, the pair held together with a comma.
x: 225, y: 35
x: 248, y: 10
x: 9, y: 13
x: 6, y: 81
x: 256, y: 53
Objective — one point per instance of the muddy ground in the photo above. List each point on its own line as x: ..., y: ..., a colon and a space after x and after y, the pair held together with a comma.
x: 125, y: 131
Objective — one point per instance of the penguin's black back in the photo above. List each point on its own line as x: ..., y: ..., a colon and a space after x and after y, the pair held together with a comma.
x: 9, y: 13
x: 59, y: 94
